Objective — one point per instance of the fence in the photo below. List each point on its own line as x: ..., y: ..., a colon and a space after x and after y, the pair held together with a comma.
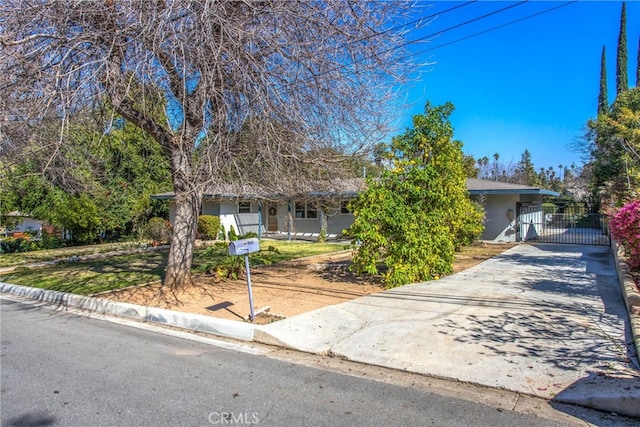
x: 578, y: 229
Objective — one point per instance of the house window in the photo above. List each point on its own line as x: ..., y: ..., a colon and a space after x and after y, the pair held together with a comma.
x: 244, y: 207
x: 312, y: 211
x: 306, y: 210
x: 344, y: 208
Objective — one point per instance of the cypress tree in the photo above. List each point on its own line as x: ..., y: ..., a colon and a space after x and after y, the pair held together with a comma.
x: 622, y: 82
x: 638, y: 66
x: 603, y: 102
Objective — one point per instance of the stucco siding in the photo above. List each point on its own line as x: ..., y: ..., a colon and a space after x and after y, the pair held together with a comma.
x: 500, y: 217
x: 306, y: 225
x: 339, y: 222
x: 501, y: 224
x: 210, y: 207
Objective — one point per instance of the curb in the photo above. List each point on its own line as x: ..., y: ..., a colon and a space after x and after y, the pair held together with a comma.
x: 630, y: 294
x: 195, y: 322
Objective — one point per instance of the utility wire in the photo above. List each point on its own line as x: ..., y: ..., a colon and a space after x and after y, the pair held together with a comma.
x: 416, y: 21
x: 490, y: 29
x: 410, y: 42
x: 421, y: 19
x: 429, y: 36
x: 472, y: 35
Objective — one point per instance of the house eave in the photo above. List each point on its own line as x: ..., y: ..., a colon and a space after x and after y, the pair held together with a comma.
x: 344, y: 195
x: 163, y: 196
x: 534, y: 191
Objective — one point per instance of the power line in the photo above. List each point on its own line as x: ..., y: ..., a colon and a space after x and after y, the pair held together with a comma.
x: 490, y: 29
x: 410, y: 42
x: 419, y: 20
x: 429, y: 36
x: 408, y: 24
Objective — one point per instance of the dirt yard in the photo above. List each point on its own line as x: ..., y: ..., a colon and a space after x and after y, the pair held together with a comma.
x: 280, y: 290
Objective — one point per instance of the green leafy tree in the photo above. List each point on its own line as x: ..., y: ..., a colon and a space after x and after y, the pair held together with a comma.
x: 78, y: 214
x: 414, y: 216
x: 615, y: 150
x: 469, y: 165
x: 549, y: 179
x: 117, y: 171
x: 128, y: 166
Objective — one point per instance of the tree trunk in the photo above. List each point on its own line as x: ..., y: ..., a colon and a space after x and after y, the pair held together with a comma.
x: 188, y: 202
x: 323, y: 225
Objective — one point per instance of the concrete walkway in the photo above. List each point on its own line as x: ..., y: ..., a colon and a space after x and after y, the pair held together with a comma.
x: 546, y: 320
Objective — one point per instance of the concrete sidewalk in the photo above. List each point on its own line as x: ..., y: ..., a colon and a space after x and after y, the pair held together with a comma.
x: 546, y: 320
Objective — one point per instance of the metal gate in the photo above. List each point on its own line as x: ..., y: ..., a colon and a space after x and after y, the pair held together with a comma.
x: 578, y: 229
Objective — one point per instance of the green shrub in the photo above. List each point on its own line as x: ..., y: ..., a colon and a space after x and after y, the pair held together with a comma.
x: 575, y: 208
x: 31, y: 243
x: 224, y: 266
x: 410, y: 219
x: 232, y: 233
x: 157, y: 230
x: 322, y: 237
x: 209, y: 226
x: 16, y: 245
x: 50, y: 241
x: 10, y: 245
x: 471, y: 225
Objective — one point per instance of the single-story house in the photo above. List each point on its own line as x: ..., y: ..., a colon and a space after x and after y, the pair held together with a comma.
x: 300, y: 216
x: 513, y: 212
x: 18, y: 223
x: 508, y: 208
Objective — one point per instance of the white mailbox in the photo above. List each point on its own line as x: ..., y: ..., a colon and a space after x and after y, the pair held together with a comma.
x: 244, y: 246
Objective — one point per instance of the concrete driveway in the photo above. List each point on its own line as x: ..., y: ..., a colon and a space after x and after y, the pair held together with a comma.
x: 546, y: 320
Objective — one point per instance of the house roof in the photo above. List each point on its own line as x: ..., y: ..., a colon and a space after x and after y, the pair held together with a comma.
x: 16, y: 214
x: 483, y: 186
x: 348, y: 188
x: 345, y: 188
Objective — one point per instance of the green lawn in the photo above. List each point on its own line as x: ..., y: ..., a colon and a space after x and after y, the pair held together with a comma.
x: 88, y: 277
x: 293, y: 250
x: 9, y: 260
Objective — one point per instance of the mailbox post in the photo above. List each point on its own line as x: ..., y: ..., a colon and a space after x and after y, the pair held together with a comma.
x: 245, y: 247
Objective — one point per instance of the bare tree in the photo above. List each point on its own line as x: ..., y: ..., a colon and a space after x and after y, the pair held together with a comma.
x: 191, y: 74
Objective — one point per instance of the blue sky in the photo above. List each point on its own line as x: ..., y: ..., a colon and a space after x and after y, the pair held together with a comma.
x: 530, y: 85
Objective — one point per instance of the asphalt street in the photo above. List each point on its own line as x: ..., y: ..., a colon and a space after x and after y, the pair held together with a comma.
x: 58, y: 368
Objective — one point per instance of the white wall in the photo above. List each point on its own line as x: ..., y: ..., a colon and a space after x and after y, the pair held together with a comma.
x: 228, y: 209
x: 497, y: 226
x: 210, y: 207
x: 26, y: 224
x: 531, y: 221
x: 338, y: 222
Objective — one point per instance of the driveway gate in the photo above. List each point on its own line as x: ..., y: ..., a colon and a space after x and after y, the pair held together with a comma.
x: 579, y: 229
